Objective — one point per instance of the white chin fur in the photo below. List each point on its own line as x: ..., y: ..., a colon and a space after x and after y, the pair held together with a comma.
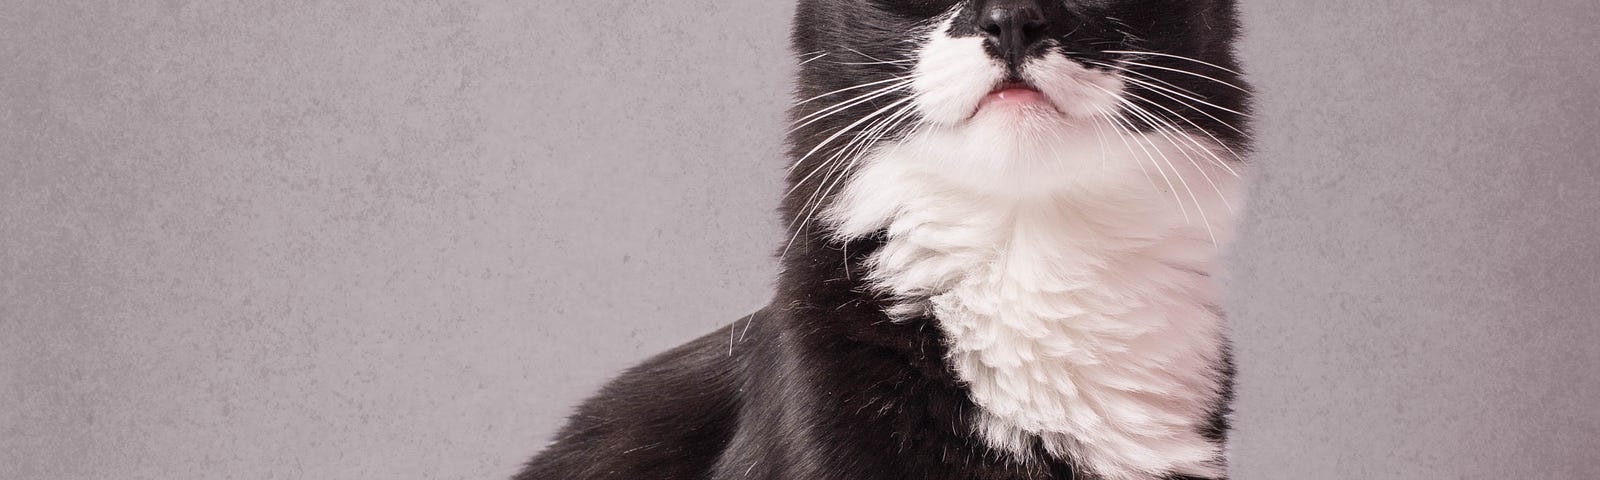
x: 952, y: 76
x: 1072, y: 265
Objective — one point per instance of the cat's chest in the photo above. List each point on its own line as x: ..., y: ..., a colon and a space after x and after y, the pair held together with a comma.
x: 1081, y: 318
x: 1107, y: 356
x: 1102, y: 344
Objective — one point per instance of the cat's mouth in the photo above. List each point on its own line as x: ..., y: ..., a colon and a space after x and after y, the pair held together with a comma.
x: 1015, y: 95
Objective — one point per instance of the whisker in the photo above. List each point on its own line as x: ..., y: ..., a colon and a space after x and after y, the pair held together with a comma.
x: 1186, y: 72
x: 1101, y: 137
x: 1179, y: 57
x: 850, y: 147
x: 1058, y: 158
x: 846, y: 89
x: 1193, y: 145
x: 1200, y: 129
x: 1186, y: 104
x: 874, y: 133
x: 891, y: 62
x: 858, y: 52
x: 1121, y: 135
x: 1207, y: 133
x: 1177, y: 173
x: 1175, y: 128
x: 1156, y: 123
x: 855, y: 156
x: 818, y: 56
x: 1181, y: 94
x: 831, y: 162
x: 1151, y: 156
x: 1145, y: 75
x: 847, y: 128
x: 814, y: 202
x: 842, y: 106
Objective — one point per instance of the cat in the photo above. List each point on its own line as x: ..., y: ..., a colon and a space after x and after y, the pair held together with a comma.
x: 1005, y: 219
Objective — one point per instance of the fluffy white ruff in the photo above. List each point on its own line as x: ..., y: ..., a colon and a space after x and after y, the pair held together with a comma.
x: 1069, y: 263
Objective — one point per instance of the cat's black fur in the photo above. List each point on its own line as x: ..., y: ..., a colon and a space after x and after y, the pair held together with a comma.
x: 821, y: 385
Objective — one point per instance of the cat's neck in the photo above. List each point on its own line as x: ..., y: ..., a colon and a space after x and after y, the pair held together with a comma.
x: 1085, y: 319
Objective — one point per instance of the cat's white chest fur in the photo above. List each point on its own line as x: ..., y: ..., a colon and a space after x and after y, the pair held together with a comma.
x: 1081, y: 312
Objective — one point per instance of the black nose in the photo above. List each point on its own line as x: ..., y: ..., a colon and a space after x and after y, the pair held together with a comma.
x: 1013, y: 26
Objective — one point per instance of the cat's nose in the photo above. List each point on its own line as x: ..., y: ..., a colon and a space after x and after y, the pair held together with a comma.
x: 1013, y: 26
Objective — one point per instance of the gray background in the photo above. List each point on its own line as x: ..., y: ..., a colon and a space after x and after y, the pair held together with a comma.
x: 399, y: 239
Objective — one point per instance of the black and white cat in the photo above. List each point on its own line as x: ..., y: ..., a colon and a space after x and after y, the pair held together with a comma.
x: 1005, y: 222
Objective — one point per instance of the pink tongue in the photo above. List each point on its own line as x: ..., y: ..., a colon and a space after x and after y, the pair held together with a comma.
x: 1013, y: 96
x: 1019, y: 95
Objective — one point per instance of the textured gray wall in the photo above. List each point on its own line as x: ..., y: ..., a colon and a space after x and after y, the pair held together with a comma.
x: 1417, y: 295
x: 399, y: 239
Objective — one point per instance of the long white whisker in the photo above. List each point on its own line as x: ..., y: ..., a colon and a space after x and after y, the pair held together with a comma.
x: 1100, y: 135
x: 1197, y: 127
x: 1121, y: 135
x: 1192, y: 107
x: 830, y: 111
x: 1160, y: 122
x: 1147, y: 76
x: 1175, y: 128
x: 846, y: 89
x: 832, y: 163
x: 1132, y: 131
x: 855, y: 156
x: 1056, y: 151
x: 818, y: 56
x: 1177, y: 173
x: 814, y: 202
x: 1200, y: 130
x: 1181, y: 94
x: 858, y: 52
x: 1185, y: 72
x: 847, y: 149
x: 1179, y: 57
x: 851, y: 126
x: 1214, y: 157
x: 1155, y: 123
x: 890, y: 62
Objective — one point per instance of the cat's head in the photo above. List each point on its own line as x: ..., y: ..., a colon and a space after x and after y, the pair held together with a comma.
x: 997, y: 92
